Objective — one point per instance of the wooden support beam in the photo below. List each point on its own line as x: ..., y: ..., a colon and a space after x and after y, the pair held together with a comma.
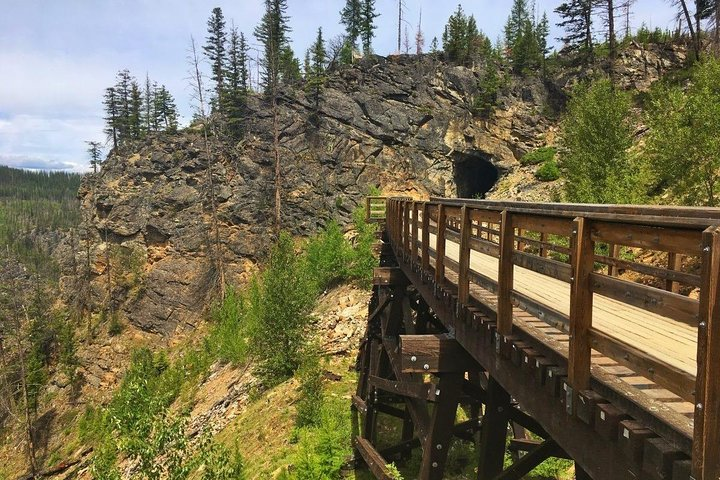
x: 407, y: 389
x: 389, y: 276
x: 434, y: 354
x: 464, y: 260
x: 373, y: 460
x: 527, y: 463
x: 406, y: 228
x: 437, y: 443
x: 505, y: 275
x: 493, y: 432
x: 706, y: 435
x: 581, y: 302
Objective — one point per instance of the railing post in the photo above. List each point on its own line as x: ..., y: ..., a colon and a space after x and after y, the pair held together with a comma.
x: 440, y: 246
x: 614, y: 251
x: 505, y: 274
x: 414, y: 234
x: 706, y: 436
x: 406, y: 228
x: 674, y: 264
x: 425, y: 247
x: 367, y: 209
x: 581, y: 304
x: 464, y: 258
x: 543, y: 239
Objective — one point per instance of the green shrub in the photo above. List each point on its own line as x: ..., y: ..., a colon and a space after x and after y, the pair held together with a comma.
x: 286, y: 295
x: 115, y: 327
x: 309, y: 406
x: 328, y: 255
x: 323, y: 450
x: 538, y: 156
x: 548, y: 171
x: 228, y: 338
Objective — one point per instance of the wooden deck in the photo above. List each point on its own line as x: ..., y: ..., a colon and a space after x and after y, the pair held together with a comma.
x: 534, y: 295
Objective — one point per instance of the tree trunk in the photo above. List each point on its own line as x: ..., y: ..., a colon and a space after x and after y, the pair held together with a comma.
x: 693, y: 34
x: 611, y: 39
x: 276, y: 153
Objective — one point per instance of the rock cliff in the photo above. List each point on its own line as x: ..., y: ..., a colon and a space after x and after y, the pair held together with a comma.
x: 401, y: 123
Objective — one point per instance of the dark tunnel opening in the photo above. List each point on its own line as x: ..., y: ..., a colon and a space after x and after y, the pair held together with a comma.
x: 474, y: 174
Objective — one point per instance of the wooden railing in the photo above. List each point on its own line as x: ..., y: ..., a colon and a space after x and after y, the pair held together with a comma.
x: 587, y: 247
x: 375, y: 209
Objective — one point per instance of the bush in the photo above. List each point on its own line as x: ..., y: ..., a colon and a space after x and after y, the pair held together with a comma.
x: 328, y: 255
x: 115, y: 327
x: 229, y: 336
x: 548, y: 171
x: 323, y: 450
x: 309, y: 406
x: 538, y: 156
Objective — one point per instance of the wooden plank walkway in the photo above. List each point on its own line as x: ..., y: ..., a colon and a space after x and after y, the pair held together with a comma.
x: 668, y: 340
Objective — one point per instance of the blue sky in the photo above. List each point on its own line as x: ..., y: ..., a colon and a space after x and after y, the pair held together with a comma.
x: 58, y: 56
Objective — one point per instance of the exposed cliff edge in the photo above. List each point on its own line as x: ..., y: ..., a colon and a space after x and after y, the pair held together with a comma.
x: 402, y: 123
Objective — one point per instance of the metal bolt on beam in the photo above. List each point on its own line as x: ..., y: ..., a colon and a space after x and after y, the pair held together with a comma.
x: 439, y: 446
x: 426, y: 367
x: 413, y: 358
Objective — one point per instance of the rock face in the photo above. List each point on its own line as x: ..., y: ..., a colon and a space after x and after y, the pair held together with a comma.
x: 402, y: 123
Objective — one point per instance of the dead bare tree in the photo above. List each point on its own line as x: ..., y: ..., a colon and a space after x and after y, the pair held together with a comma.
x: 196, y: 83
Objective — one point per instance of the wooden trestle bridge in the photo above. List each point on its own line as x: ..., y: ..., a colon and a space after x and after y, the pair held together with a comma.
x: 595, y: 327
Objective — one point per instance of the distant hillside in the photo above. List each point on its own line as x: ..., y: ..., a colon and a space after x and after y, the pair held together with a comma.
x: 33, y: 203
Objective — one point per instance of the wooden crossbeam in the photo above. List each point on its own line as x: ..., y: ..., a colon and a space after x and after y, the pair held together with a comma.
x: 433, y: 354
x: 527, y: 463
x: 373, y: 460
x: 418, y: 390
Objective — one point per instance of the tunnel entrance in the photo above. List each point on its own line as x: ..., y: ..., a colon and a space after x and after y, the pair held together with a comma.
x: 474, y: 174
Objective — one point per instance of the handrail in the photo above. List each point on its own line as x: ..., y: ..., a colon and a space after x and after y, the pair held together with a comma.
x: 522, y: 233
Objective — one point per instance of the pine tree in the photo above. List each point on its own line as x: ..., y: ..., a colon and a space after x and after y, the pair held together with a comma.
x: 135, y: 113
x: 95, y: 152
x: 272, y: 34
x: 315, y: 76
x: 112, y: 115
x: 166, y: 110
x: 434, y: 45
x: 352, y: 17
x: 235, y: 96
x: 576, y: 18
x: 455, y: 36
x: 289, y: 66
x: 148, y: 106
x: 215, y: 52
x: 367, y: 24
x: 123, y: 89
x: 516, y: 22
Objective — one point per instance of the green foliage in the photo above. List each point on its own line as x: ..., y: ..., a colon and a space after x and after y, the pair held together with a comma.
x: 310, y: 374
x: 526, y: 38
x: 394, y: 472
x: 548, y: 171
x: 462, y: 41
x: 229, y: 336
x: 538, y: 156
x: 323, y: 449
x: 328, y: 256
x: 138, y: 424
x: 683, y: 146
x: 646, y: 36
x: 114, y: 327
x: 489, y: 85
x: 287, y: 294
x: 596, y: 134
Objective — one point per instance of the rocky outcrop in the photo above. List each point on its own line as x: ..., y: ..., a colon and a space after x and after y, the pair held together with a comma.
x: 402, y: 123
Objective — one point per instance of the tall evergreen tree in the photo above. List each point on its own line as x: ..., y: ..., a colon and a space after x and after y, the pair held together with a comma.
x: 235, y: 96
x: 135, y: 130
x: 289, y: 66
x: 95, y: 152
x: 215, y: 51
x: 148, y: 106
x: 367, y: 24
x: 576, y: 18
x: 123, y: 89
x: 455, y: 36
x: 272, y: 34
x: 352, y: 17
x: 516, y: 22
x: 166, y: 110
x: 315, y: 76
x: 112, y: 115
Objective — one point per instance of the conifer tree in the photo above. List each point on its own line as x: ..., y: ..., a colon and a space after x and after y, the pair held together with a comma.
x: 316, y: 73
x: 112, y: 115
x: 95, y: 152
x: 576, y: 18
x: 215, y: 52
x: 135, y: 112
x: 272, y: 34
x: 235, y: 96
x: 455, y: 36
x: 352, y: 17
x: 367, y: 24
x: 123, y: 89
x: 289, y: 66
x: 148, y: 107
x: 166, y: 110
x: 516, y: 22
